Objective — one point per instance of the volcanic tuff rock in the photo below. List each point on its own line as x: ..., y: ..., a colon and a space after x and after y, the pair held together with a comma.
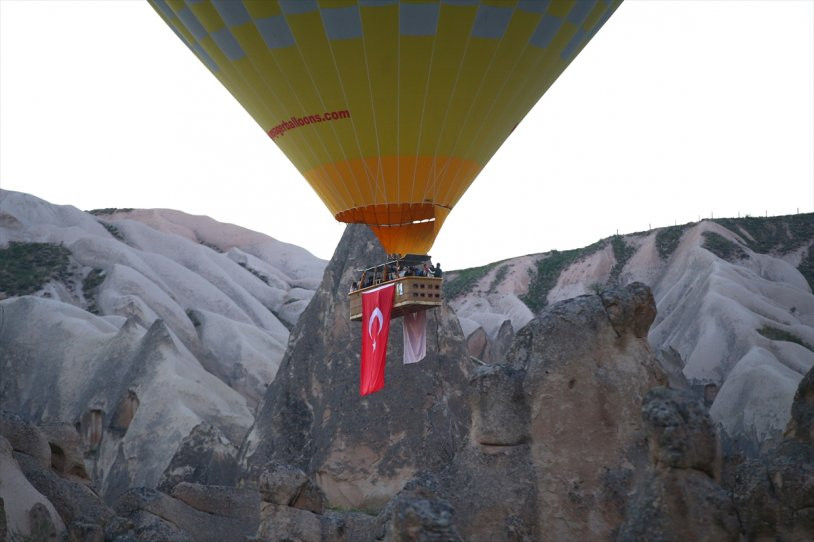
x: 360, y: 450
x: 147, y: 324
x: 18, y: 496
x: 774, y: 493
x: 679, y: 497
x: 205, y: 456
x: 556, y: 441
x: 742, y: 328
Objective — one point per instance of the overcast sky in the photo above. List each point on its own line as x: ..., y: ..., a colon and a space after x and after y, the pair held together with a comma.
x: 676, y: 110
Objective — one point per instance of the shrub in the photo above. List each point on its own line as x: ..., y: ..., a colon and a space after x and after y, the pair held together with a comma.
x: 26, y: 267
x: 109, y: 211
x: 458, y: 282
x: 723, y: 247
x: 622, y: 252
x: 667, y: 240
x: 781, y: 234
x: 499, y: 276
x: 254, y: 272
x: 548, y: 271
x: 90, y: 285
x: 779, y: 335
x: 113, y: 230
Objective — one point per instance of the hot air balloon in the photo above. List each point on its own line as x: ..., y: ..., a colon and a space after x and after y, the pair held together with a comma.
x: 389, y: 109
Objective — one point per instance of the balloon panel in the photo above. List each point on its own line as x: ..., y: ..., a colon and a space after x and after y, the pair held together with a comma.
x: 388, y: 109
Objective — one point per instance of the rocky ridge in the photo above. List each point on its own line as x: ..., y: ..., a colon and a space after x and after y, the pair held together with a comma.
x: 735, y: 308
x: 137, y: 326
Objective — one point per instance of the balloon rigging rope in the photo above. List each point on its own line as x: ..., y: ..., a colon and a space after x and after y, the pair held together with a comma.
x: 506, y: 79
x: 280, y: 103
x: 368, y: 173
x: 324, y: 108
x: 469, y: 110
x: 398, y: 114
x: 431, y: 188
x: 421, y: 120
x: 379, y: 177
x: 329, y: 185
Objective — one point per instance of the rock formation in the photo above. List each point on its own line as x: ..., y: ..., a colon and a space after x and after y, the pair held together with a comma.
x: 134, y: 367
x: 556, y: 441
x: 774, y: 493
x: 360, y: 450
x: 680, y: 498
x: 134, y: 327
x: 742, y: 328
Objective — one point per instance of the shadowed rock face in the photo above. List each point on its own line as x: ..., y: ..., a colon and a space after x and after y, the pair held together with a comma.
x: 588, y: 367
x: 556, y: 441
x: 360, y: 450
x: 774, y: 494
x: 679, y: 498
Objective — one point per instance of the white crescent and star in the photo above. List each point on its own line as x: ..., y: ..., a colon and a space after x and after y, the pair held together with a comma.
x: 377, y: 315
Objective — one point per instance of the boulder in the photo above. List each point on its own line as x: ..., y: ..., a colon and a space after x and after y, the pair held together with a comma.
x: 281, y: 483
x: 280, y: 523
x: 680, y: 433
x: 232, y: 502
x: 286, y: 485
x: 42, y: 526
x: 142, y: 506
x: 85, y: 531
x: 25, y: 438
x: 148, y: 527
x: 419, y: 515
x: 206, y: 456
x: 348, y: 526
x: 73, y: 499
x: 680, y: 498
x: 67, y: 454
x: 360, y: 450
x: 19, y: 497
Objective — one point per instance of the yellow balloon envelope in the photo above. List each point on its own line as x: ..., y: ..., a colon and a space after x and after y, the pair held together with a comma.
x: 388, y: 109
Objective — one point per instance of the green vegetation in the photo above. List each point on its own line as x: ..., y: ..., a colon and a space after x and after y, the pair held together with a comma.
x: 113, y: 230
x: 499, y: 276
x: 548, y: 272
x: 806, y: 267
x: 90, y: 285
x: 723, y: 247
x: 254, y: 272
x: 781, y: 234
x: 458, y: 282
x: 779, y: 335
x: 213, y: 247
x: 26, y: 267
x: 109, y: 211
x: 667, y: 240
x: 622, y: 252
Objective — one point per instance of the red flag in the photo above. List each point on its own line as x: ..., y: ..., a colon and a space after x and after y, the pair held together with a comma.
x: 376, y: 306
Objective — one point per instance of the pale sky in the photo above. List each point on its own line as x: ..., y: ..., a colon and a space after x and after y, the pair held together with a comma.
x: 677, y: 109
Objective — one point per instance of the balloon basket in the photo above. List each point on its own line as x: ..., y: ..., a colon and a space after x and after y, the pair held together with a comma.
x: 412, y: 294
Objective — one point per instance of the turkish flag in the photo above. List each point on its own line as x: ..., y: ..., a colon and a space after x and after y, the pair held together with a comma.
x: 376, y: 306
